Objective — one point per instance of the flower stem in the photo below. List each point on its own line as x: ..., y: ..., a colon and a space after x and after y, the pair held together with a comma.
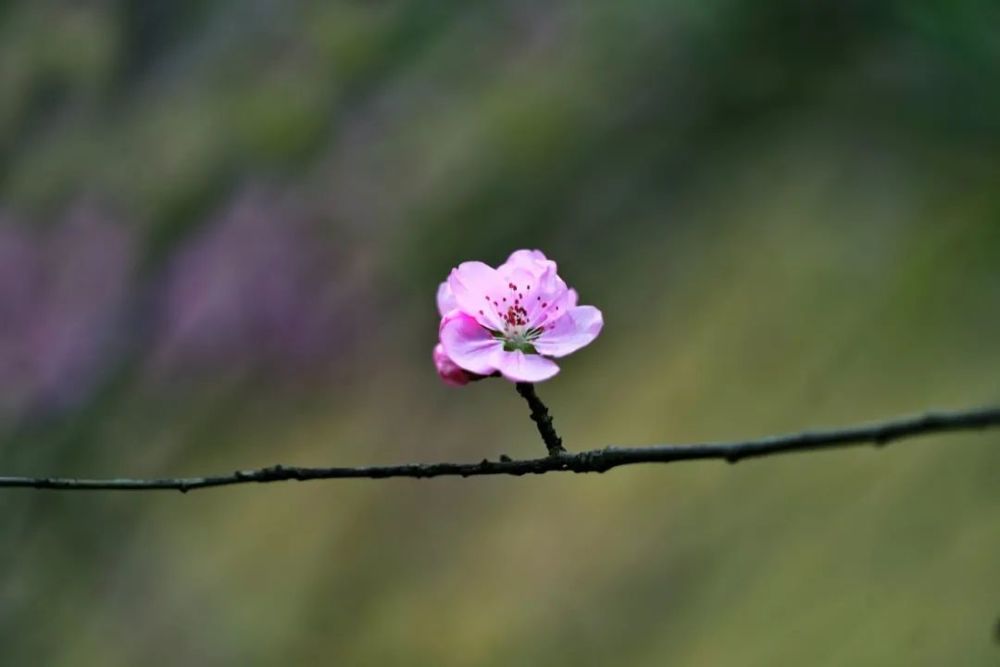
x: 540, y: 415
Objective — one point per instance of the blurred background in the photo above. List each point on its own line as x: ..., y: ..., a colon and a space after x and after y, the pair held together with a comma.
x: 222, y: 225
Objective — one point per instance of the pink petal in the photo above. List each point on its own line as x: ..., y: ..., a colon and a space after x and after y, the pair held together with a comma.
x: 520, y: 367
x: 446, y: 299
x: 548, y: 299
x: 577, y: 328
x: 533, y: 261
x: 521, y: 285
x: 468, y: 344
x: 450, y: 372
x: 477, y: 287
x: 527, y: 256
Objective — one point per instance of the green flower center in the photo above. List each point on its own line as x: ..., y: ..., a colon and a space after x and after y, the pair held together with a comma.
x: 518, y: 340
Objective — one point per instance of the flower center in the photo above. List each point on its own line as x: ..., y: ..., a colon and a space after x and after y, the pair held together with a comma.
x: 516, y: 333
x: 519, y: 340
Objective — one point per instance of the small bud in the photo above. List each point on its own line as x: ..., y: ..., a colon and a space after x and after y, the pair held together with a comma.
x: 449, y: 371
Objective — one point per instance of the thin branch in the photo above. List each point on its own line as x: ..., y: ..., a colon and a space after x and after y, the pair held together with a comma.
x: 540, y: 415
x: 598, y: 460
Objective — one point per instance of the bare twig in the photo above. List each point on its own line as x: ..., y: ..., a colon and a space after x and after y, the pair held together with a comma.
x: 540, y: 415
x: 598, y: 460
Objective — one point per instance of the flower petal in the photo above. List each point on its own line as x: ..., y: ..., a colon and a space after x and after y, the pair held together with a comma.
x: 468, y: 344
x: 548, y: 300
x: 577, y: 328
x: 527, y: 256
x: 533, y: 261
x: 477, y: 288
x: 520, y: 367
x: 446, y: 299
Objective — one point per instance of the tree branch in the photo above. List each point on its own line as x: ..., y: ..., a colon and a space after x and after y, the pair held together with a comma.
x: 540, y: 415
x: 598, y: 460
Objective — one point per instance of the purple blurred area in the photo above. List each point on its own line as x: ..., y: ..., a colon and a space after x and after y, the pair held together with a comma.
x: 257, y: 288
x: 62, y: 293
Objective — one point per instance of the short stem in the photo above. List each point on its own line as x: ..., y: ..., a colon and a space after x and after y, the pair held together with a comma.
x: 540, y: 415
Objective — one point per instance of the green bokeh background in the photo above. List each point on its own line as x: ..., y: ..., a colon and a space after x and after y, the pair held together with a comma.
x: 788, y: 211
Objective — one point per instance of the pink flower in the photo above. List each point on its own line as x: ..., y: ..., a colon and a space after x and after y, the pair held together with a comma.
x: 513, y: 319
